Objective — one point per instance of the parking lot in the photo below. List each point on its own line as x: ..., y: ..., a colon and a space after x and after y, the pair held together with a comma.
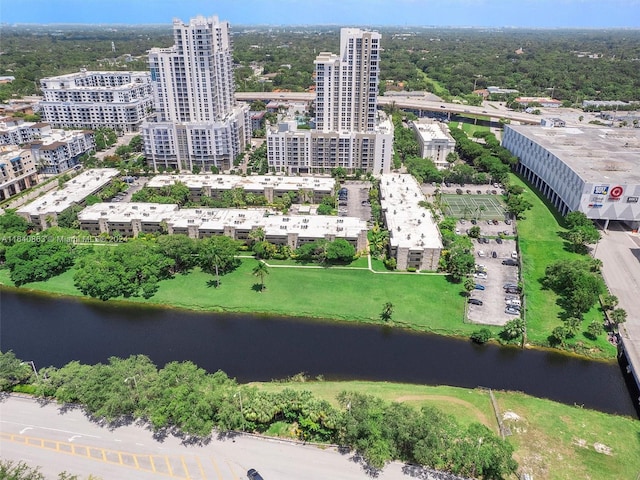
x: 356, y: 203
x: 496, y: 275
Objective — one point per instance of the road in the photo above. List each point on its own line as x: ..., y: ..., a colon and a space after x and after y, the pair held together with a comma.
x: 619, y: 251
x: 60, y: 440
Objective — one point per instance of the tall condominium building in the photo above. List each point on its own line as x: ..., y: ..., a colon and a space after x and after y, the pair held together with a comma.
x: 199, y: 124
x: 350, y: 132
x: 18, y: 171
x: 116, y: 100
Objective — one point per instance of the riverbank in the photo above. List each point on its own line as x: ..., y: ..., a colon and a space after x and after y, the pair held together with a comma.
x: 424, y: 303
x: 552, y: 441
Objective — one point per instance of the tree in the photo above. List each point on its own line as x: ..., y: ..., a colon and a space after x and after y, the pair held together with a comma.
x: 609, y: 302
x: 474, y: 232
x: 387, y: 311
x: 10, y: 221
x: 181, y: 249
x: 339, y: 251
x: 260, y: 270
x: 595, y: 329
x: 577, y: 219
x: 517, y: 205
x: 513, y: 329
x: 130, y: 269
x: 481, y: 336
x: 217, y: 255
x: 559, y: 335
x: 618, y: 316
x: 12, y: 371
x: 469, y: 285
x: 572, y: 325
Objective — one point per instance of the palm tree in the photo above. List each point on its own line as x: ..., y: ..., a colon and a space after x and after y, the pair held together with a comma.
x: 387, y: 311
x: 260, y: 270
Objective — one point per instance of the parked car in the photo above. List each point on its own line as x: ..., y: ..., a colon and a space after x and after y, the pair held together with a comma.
x: 511, y: 297
x: 512, y: 290
x: 494, y: 254
x: 486, y: 241
x: 473, y: 221
x: 512, y: 311
x: 254, y: 475
x: 510, y: 262
x: 480, y: 275
x: 507, y: 221
x: 479, y: 287
x: 499, y: 241
x: 514, y: 254
x: 495, y: 222
x: 510, y: 285
x: 475, y: 301
x: 481, y: 253
x: 514, y: 302
x: 480, y: 267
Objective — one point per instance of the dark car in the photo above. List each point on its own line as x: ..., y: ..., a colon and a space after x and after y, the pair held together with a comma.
x: 479, y: 286
x: 510, y: 262
x: 512, y: 290
x: 475, y: 301
x: 499, y: 241
x: 254, y: 475
x: 494, y: 254
x: 474, y: 221
x: 510, y: 285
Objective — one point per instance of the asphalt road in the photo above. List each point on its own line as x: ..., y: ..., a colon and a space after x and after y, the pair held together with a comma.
x: 60, y: 440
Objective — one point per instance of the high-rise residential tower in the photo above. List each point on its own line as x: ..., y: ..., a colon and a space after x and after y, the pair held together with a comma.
x: 350, y: 132
x: 198, y: 122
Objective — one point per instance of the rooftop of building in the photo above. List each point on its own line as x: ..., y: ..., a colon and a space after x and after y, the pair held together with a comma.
x: 73, y: 192
x: 253, y: 182
x: 58, y: 137
x: 216, y: 219
x: 432, y: 130
x: 597, y: 154
x: 410, y: 225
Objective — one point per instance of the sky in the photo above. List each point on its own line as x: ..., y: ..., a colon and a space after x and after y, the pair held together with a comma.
x: 474, y: 13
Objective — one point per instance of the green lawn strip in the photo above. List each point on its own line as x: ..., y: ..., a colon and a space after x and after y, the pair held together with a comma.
x: 360, y: 262
x: 541, y: 245
x: 556, y: 441
x: 466, y: 405
x: 546, y: 434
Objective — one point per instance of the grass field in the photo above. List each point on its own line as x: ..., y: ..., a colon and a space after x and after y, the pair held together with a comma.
x: 485, y: 207
x: 342, y: 294
x: 551, y: 440
x: 541, y: 245
x: 468, y: 127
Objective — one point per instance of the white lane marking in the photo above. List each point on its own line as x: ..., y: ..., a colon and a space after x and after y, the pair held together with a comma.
x: 52, y: 429
x: 71, y: 439
x: 117, y: 440
x: 140, y: 444
x: 25, y: 429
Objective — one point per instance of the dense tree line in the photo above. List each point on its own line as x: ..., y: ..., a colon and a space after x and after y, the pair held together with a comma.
x: 181, y: 395
x: 448, y: 62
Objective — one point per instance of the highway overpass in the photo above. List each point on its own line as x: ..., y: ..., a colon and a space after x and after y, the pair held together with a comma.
x: 404, y: 102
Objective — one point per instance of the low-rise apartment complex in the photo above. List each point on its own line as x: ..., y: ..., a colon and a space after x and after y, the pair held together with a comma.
x: 132, y: 219
x: 43, y: 212
x: 414, y: 238
x: 18, y: 171
x: 307, y: 189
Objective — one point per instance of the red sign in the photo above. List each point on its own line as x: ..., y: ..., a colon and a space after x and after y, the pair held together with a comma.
x: 616, y: 192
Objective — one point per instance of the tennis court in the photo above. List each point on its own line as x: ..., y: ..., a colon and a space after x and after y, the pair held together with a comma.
x: 484, y: 207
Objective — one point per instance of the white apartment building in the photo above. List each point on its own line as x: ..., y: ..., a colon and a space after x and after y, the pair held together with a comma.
x: 15, y: 131
x: 199, y: 123
x: 595, y: 170
x: 434, y: 140
x: 94, y: 99
x: 18, y: 171
x: 307, y: 189
x: 350, y: 132
x: 131, y: 219
x: 61, y: 150
x: 43, y: 211
x: 414, y: 238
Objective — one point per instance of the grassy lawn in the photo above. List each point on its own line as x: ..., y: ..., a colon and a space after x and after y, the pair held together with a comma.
x: 468, y: 127
x: 552, y: 440
x: 342, y: 294
x: 541, y: 246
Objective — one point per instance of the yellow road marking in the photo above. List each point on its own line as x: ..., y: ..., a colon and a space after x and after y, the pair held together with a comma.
x: 235, y: 477
x: 215, y: 465
x: 200, y: 468
x: 99, y: 454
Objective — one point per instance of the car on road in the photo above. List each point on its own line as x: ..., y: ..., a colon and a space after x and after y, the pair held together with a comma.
x: 512, y: 311
x: 475, y: 301
x: 510, y: 262
x: 479, y: 287
x: 254, y: 475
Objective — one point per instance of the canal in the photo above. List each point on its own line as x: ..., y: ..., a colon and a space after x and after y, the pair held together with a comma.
x: 53, y: 331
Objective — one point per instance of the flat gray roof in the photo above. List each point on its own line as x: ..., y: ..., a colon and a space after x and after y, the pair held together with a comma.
x: 595, y: 153
x: 251, y: 182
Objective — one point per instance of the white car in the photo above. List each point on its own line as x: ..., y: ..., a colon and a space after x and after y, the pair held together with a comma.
x: 480, y: 275
x: 514, y: 254
x: 514, y: 302
x: 481, y: 253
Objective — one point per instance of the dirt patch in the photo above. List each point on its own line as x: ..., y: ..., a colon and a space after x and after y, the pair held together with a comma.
x: 511, y: 416
x: 482, y: 418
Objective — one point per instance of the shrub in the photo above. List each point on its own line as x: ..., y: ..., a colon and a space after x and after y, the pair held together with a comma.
x: 481, y: 336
